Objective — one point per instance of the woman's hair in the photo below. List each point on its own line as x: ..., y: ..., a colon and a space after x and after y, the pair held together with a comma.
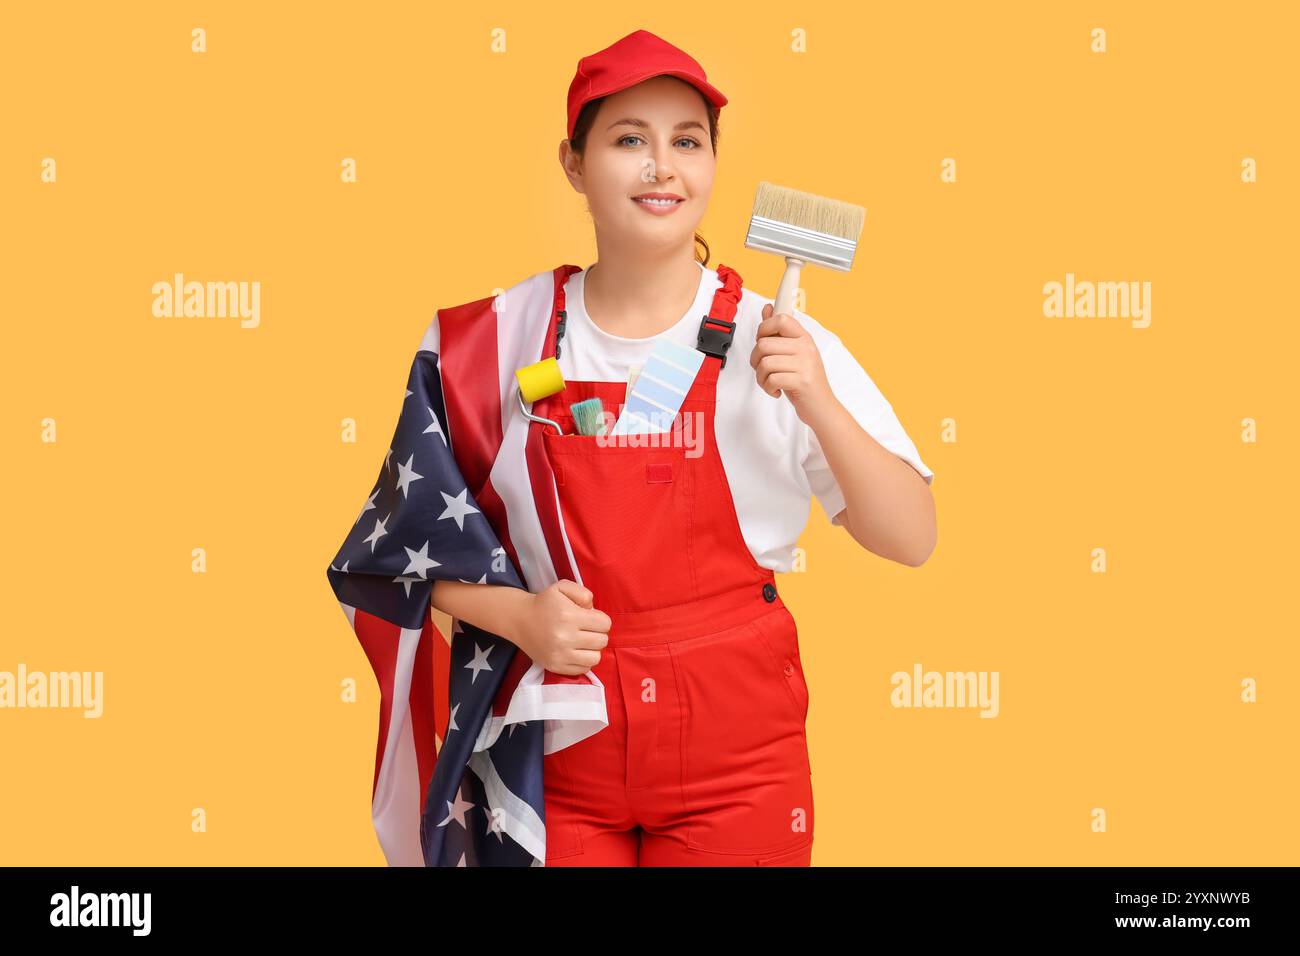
x: 587, y: 115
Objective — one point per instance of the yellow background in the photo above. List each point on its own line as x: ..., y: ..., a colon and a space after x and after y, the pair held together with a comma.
x: 1118, y: 690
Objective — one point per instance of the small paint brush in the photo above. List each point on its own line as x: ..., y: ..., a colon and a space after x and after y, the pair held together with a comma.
x: 588, y: 417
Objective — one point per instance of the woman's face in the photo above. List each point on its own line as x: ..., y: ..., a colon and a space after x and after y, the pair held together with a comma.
x: 650, y: 138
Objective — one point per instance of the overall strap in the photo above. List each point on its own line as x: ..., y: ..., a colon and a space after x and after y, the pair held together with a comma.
x: 559, y: 314
x: 717, y: 327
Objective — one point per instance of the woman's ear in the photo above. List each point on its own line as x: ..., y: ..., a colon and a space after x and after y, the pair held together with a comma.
x: 571, y: 163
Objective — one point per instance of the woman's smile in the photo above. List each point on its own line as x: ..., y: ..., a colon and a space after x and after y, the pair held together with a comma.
x: 658, y: 204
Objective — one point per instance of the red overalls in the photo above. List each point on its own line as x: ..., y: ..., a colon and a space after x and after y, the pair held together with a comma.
x: 705, y: 760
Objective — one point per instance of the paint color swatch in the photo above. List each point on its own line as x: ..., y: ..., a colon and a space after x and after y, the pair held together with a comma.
x: 659, y: 389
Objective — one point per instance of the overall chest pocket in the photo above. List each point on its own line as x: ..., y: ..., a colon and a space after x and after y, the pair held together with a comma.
x: 629, y: 515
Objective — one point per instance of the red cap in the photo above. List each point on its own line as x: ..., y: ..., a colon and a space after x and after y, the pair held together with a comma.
x: 636, y: 57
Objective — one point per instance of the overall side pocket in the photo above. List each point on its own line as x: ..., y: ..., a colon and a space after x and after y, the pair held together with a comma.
x: 780, y: 637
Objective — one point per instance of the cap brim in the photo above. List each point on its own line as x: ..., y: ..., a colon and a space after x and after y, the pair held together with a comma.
x: 711, y: 92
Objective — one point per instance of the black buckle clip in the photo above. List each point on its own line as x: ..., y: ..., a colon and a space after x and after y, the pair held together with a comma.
x: 715, y: 341
x: 559, y: 330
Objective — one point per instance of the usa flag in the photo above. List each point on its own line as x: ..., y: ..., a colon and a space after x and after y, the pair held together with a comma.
x: 464, y: 493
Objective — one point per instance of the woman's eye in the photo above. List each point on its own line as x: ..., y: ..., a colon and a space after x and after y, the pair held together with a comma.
x: 684, y: 139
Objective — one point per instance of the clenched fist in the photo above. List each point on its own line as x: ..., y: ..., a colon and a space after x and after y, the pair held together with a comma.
x: 560, y: 629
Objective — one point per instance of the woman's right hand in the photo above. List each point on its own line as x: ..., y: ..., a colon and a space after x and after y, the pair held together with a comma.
x: 559, y: 629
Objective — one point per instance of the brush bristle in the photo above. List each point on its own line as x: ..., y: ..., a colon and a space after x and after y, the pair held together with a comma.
x: 588, y: 417
x: 808, y: 211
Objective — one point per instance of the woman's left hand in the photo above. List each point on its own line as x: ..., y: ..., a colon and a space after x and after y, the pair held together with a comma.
x: 786, y: 359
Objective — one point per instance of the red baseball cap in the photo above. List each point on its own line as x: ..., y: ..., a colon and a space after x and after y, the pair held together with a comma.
x: 636, y: 57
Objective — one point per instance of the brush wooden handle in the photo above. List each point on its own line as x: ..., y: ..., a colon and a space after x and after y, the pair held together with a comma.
x: 784, y: 302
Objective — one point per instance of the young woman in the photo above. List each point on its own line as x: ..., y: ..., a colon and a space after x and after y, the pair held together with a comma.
x: 705, y: 759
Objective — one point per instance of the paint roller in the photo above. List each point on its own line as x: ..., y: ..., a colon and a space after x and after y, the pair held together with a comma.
x: 542, y: 379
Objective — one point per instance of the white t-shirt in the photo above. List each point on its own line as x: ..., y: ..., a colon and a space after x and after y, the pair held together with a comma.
x: 773, y: 461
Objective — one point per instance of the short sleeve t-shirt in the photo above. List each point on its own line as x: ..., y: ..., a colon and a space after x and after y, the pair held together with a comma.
x: 772, y: 459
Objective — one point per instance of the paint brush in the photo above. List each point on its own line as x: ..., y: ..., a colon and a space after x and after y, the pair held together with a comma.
x: 805, y: 229
x: 588, y: 417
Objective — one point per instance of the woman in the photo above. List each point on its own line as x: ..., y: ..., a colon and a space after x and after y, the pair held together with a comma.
x: 705, y: 760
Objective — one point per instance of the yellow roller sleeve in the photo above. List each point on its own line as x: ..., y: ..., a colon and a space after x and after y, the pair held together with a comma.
x: 540, y: 379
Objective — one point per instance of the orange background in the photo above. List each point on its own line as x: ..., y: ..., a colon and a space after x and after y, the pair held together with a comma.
x: 222, y: 690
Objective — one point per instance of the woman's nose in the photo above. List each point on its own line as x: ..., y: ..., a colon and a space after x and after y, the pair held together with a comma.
x: 662, y: 166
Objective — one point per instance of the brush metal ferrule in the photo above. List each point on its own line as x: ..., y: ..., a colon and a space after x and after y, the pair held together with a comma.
x: 819, y: 248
